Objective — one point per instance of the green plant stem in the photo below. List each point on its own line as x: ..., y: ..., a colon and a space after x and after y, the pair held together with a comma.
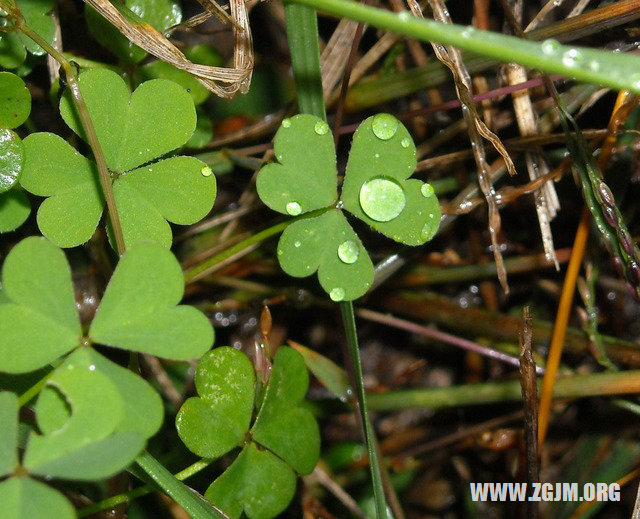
x: 348, y: 318
x: 196, y: 506
x: 591, y: 66
x: 71, y: 76
x: 600, y: 384
x: 207, y: 266
x: 30, y: 393
x: 119, y: 499
x: 302, y: 32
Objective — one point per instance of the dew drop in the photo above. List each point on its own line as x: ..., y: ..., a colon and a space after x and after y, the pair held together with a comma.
x: 571, y: 58
x: 427, y: 190
x: 382, y: 199
x: 635, y: 80
x: 296, y: 244
x: 594, y: 65
x: 384, y: 126
x: 348, y: 251
x: 468, y: 31
x: 293, y: 208
x: 405, y: 16
x: 279, y: 252
x: 428, y: 231
x: 550, y: 47
x: 206, y: 171
x: 321, y: 128
x: 92, y: 367
x: 405, y: 142
x: 337, y: 294
x: 286, y: 123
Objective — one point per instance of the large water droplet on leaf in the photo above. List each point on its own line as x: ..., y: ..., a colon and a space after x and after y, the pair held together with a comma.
x: 293, y: 208
x: 384, y: 126
x: 382, y: 199
x: 321, y: 128
x: 206, y: 171
x: 337, y: 294
x: 348, y: 251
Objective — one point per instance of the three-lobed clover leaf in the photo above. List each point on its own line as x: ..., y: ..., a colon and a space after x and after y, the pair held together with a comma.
x: 135, y: 132
x: 14, y: 110
x: 284, y: 439
x: 376, y: 189
x: 14, y: 45
x: 39, y: 321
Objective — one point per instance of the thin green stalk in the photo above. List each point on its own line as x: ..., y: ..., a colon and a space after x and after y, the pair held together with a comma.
x: 120, y: 499
x: 196, y: 506
x: 577, y: 386
x: 71, y: 75
x: 348, y: 318
x: 30, y: 393
x: 302, y: 33
x: 588, y: 65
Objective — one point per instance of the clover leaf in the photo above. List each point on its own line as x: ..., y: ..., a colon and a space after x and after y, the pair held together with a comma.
x: 26, y: 498
x: 8, y: 433
x: 14, y: 110
x: 161, y: 14
x: 376, y: 189
x: 284, y: 438
x: 14, y: 46
x: 135, y: 131
x: 39, y: 320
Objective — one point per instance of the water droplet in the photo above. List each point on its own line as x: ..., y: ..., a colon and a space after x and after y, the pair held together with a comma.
x: 635, y: 80
x: 427, y: 190
x: 348, y: 251
x: 337, y: 294
x: 384, y: 126
x: 405, y: 16
x: 571, y: 58
x: 428, y: 231
x: 550, y: 47
x: 382, y: 199
x: 296, y: 244
x: 293, y: 208
x: 206, y: 171
x: 279, y: 252
x: 468, y: 31
x: 92, y: 367
x: 321, y: 128
x: 286, y: 123
x: 594, y: 65
x: 377, y: 155
x: 405, y: 142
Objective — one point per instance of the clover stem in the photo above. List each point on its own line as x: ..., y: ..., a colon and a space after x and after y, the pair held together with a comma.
x: 71, y: 76
x: 119, y: 499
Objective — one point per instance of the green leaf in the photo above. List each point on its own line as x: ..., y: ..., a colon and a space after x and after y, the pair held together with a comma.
x: 11, y: 159
x: 52, y: 168
x: 8, y: 433
x: 41, y: 322
x: 257, y: 483
x: 327, y: 244
x: 376, y: 188
x: 133, y: 129
x: 282, y: 425
x: 26, y: 498
x: 36, y: 14
x: 162, y: 70
x: 14, y: 210
x: 138, y: 311
x: 179, y: 189
x: 16, y: 100
x: 219, y: 419
x: 89, y: 444
x: 161, y: 14
x: 12, y: 51
x: 203, y: 132
x: 304, y: 178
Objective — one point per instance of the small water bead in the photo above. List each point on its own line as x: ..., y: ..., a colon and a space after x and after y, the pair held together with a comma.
x: 286, y: 123
x: 382, y: 199
x: 321, y: 128
x: 348, y: 251
x: 572, y: 58
x: 296, y: 244
x: 427, y: 190
x: 384, y: 126
x: 428, y: 231
x: 405, y: 142
x: 550, y: 47
x: 594, y: 65
x: 337, y: 294
x: 635, y: 80
x: 206, y: 171
x: 293, y: 208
